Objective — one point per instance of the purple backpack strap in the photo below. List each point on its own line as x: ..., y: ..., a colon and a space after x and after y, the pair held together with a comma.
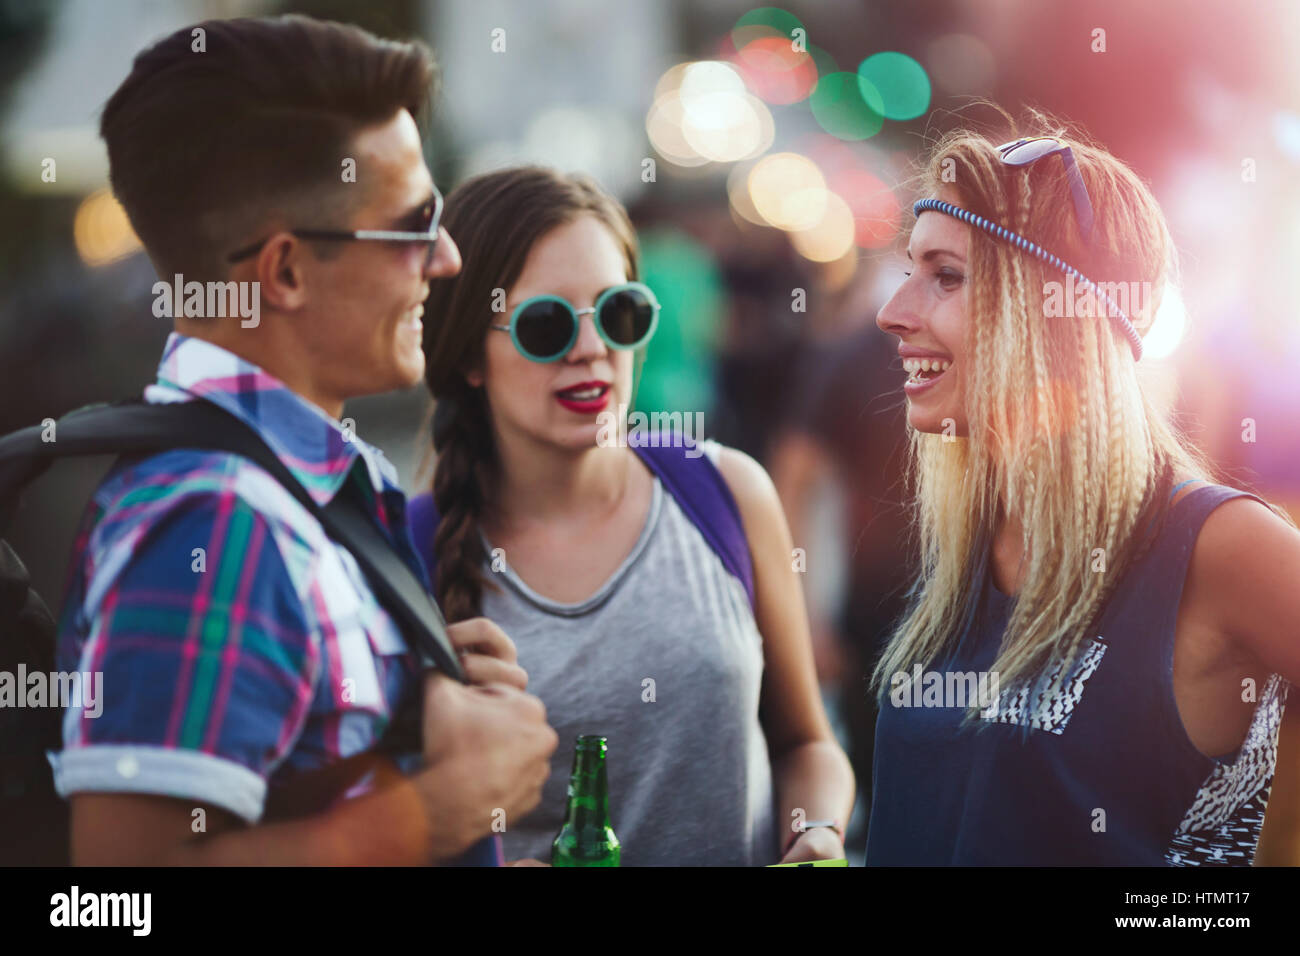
x: 695, y: 484
x: 422, y: 521
x: 702, y: 494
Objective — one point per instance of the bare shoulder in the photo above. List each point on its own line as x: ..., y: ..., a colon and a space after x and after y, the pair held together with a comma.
x: 1243, y: 536
x: 750, y: 485
x: 1244, y: 571
x: 1240, y: 533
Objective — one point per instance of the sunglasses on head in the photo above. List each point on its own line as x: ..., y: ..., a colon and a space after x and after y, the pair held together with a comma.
x: 545, y: 327
x: 1022, y: 152
x: 1029, y: 150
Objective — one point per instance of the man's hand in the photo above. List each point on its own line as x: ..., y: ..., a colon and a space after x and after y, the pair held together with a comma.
x: 486, y: 653
x: 487, y: 751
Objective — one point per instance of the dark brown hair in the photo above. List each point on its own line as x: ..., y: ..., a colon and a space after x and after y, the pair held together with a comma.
x: 495, y: 219
x: 214, y: 135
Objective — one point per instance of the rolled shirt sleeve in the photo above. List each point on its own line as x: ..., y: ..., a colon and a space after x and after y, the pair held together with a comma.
x: 205, y: 655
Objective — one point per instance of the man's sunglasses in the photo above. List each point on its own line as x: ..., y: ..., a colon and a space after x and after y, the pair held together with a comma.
x: 1023, y: 152
x: 545, y: 327
x: 429, y: 217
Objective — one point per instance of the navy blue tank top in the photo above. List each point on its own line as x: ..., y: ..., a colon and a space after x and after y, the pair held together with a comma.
x: 1100, y: 774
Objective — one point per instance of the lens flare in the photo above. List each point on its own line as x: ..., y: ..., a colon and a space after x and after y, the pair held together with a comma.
x: 1169, y: 327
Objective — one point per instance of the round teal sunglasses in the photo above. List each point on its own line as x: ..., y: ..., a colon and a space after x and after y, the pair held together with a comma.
x: 545, y: 327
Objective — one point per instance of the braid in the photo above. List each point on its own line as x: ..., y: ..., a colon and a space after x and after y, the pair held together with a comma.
x: 1036, y: 341
x: 1117, y: 456
x: 1087, y: 443
x: 466, y: 463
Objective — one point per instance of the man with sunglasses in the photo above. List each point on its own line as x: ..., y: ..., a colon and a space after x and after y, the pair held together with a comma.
x: 244, y: 655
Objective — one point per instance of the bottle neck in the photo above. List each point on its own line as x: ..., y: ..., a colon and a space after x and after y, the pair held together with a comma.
x: 588, y: 791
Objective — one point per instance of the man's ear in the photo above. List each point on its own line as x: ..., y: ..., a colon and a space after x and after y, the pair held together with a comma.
x: 281, y: 273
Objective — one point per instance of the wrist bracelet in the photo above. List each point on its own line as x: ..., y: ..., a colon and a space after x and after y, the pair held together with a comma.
x: 812, y: 825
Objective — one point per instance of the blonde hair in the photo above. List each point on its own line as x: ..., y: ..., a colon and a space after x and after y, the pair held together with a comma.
x: 1060, y: 433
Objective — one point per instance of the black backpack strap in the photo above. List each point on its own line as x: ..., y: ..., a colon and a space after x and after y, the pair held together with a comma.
x: 396, y: 587
x: 136, y: 427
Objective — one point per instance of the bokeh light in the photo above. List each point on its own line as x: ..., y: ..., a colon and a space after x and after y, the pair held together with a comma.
x: 901, y: 82
x: 831, y: 237
x: 101, y: 230
x: 741, y: 129
x: 1286, y: 131
x: 823, y: 60
x: 702, y: 113
x: 764, y: 21
x: 671, y: 81
x: 664, y: 125
x: 1169, y: 327
x: 847, y: 106
x: 738, y: 196
x: 788, y: 191
x: 707, y: 78
x: 775, y: 70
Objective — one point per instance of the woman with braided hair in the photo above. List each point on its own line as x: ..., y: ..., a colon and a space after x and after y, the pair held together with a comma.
x: 649, y: 591
x: 1130, y: 624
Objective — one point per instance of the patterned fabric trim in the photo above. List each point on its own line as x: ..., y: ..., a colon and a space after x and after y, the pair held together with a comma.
x: 1222, y: 825
x: 1049, y: 714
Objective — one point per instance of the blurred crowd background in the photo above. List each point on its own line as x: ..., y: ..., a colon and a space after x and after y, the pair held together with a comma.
x: 764, y: 154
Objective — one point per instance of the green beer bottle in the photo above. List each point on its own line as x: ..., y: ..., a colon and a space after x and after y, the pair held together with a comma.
x: 586, y: 839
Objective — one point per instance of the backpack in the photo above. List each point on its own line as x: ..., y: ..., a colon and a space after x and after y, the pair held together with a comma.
x: 696, y: 484
x: 33, y: 818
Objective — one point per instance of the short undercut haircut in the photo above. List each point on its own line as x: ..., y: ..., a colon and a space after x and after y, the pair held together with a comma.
x: 216, y: 135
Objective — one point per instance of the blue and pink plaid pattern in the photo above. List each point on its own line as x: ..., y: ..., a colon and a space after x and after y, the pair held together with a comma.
x: 238, y: 643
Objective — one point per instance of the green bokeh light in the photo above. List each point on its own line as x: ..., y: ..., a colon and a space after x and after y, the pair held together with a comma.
x: 902, y: 83
x: 752, y: 23
x: 847, y: 106
x: 825, y: 62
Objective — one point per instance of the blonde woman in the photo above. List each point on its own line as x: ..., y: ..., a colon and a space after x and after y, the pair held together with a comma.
x: 1094, y: 665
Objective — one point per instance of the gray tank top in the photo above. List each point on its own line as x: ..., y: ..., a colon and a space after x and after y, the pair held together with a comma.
x: 666, y: 661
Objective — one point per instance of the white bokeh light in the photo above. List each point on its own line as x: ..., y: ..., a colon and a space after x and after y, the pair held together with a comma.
x: 1169, y: 327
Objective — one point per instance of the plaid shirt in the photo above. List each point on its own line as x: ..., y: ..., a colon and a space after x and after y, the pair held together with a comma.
x: 263, y: 654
